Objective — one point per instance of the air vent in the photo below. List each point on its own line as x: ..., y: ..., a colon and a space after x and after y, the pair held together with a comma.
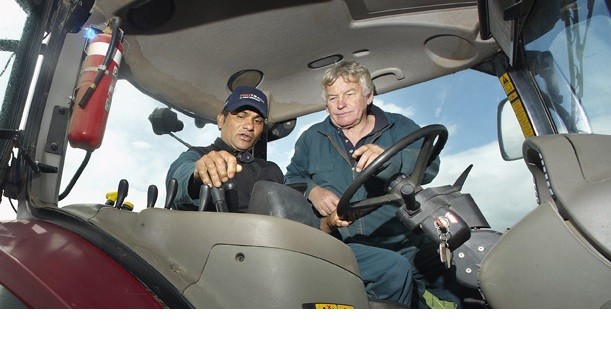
x: 325, y: 61
x: 250, y: 78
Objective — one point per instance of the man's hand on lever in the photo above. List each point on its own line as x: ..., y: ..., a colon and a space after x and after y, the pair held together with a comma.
x: 216, y: 168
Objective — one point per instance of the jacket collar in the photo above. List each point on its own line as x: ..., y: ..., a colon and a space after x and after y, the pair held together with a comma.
x: 382, y: 121
x: 221, y: 145
x: 242, y: 156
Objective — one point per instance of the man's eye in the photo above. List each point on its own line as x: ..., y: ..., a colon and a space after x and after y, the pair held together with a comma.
x: 259, y: 121
x: 331, y: 99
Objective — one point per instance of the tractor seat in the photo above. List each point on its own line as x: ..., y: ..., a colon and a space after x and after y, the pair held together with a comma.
x: 275, y: 199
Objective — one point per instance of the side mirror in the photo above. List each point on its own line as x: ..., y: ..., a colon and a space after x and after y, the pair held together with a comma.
x: 509, y: 132
x: 280, y: 130
x: 165, y: 121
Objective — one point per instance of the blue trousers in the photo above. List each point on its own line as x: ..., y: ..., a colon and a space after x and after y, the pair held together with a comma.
x: 402, y: 276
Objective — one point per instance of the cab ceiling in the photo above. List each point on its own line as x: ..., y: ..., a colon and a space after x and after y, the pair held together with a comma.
x: 184, y: 52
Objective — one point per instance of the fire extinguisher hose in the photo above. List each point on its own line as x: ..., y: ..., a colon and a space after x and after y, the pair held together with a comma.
x: 114, y: 24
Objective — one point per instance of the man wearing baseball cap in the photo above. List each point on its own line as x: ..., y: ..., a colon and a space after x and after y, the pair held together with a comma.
x: 228, y: 159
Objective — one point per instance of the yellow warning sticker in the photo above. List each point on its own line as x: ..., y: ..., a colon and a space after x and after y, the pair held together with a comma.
x: 517, y: 105
x: 512, y: 96
x: 518, y: 108
x: 506, y: 83
x: 327, y: 306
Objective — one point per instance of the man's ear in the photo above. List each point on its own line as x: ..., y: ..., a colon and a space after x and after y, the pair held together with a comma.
x: 370, y: 98
x: 220, y: 120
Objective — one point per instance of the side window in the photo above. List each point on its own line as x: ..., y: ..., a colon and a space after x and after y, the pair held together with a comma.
x: 12, y: 22
x: 18, y: 24
x: 569, y: 62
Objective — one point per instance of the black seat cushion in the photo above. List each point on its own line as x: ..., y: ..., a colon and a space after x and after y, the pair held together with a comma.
x: 275, y: 199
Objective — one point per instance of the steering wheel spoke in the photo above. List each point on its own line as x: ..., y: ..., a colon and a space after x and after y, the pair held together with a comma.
x: 425, y: 157
x: 359, y: 208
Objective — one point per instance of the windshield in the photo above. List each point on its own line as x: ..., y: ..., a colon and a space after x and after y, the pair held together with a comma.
x: 130, y: 145
x: 567, y: 50
x: 12, y: 21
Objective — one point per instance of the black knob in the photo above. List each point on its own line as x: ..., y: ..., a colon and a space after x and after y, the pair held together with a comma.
x: 172, y: 188
x: 121, y: 193
x: 218, y: 198
x: 408, y: 192
x: 151, y: 197
x: 231, y: 196
x: 204, y: 195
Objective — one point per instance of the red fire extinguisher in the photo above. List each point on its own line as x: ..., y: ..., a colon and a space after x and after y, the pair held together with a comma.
x: 95, y: 88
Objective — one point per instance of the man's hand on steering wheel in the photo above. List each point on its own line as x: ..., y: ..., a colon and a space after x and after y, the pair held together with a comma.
x: 326, y: 201
x: 365, y: 155
x: 332, y: 222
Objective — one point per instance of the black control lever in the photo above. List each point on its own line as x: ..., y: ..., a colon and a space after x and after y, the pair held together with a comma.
x: 204, y: 195
x: 121, y: 193
x: 408, y: 193
x: 151, y: 197
x: 172, y: 188
x: 218, y: 198
x: 231, y: 196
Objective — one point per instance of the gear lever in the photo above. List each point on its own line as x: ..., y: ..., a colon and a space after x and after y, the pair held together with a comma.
x: 121, y: 193
x: 218, y: 197
x: 151, y: 196
x: 172, y: 188
x: 204, y: 195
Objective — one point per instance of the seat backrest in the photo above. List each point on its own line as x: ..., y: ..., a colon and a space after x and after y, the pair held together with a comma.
x: 573, y: 173
x: 275, y: 199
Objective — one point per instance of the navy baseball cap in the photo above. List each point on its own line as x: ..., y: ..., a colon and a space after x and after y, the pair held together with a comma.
x: 245, y: 96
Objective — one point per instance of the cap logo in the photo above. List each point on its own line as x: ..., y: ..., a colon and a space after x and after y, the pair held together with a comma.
x: 251, y: 96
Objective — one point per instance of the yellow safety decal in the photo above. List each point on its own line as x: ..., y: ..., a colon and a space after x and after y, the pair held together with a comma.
x: 518, y: 108
x: 517, y: 105
x: 506, y: 83
x: 327, y: 306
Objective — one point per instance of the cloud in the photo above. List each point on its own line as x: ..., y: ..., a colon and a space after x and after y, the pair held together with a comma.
x: 141, y: 145
x: 393, y: 108
x: 441, y: 95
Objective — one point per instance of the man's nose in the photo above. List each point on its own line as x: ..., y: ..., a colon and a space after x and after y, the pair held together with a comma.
x: 341, y: 102
x: 249, y: 123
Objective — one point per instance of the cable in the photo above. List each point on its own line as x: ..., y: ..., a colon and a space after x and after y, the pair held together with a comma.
x: 78, y: 173
x: 12, y: 206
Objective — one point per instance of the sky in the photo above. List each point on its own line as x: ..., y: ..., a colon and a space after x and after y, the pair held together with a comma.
x: 464, y: 102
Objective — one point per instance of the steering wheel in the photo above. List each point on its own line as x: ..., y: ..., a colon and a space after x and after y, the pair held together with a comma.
x: 434, y: 139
